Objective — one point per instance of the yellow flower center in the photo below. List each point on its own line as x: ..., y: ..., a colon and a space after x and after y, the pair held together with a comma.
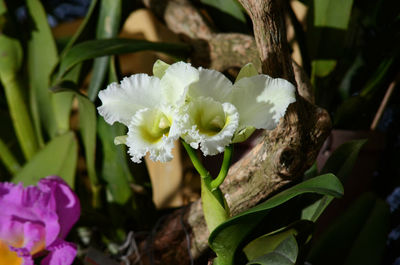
x: 158, y: 125
x: 7, y: 256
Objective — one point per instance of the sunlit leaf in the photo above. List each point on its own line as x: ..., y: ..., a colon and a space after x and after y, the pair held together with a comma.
x: 225, y: 239
x: 284, y: 254
x: 58, y: 157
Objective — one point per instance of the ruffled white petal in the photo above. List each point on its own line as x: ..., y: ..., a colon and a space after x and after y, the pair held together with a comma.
x: 176, y: 80
x: 261, y: 100
x: 145, y: 136
x: 209, y: 124
x: 211, y: 84
x: 122, y: 101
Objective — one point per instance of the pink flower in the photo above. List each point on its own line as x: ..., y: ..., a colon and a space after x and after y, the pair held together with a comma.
x: 35, y: 220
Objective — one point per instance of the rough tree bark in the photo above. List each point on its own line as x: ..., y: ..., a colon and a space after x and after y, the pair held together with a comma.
x: 280, y: 157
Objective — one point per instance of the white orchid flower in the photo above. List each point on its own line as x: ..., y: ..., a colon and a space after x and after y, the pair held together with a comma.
x: 218, y: 112
x: 139, y: 103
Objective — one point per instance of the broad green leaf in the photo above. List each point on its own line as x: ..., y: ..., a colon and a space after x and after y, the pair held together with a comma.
x: 340, y: 163
x: 266, y: 244
x: 214, y: 212
x: 107, y: 27
x: 58, y: 157
x: 284, y: 254
x: 87, y: 126
x: 356, y: 237
x: 159, y: 68
x: 230, y: 7
x: 10, y: 62
x: 332, y: 13
x: 248, y: 70
x: 115, y: 171
x: 225, y: 239
x: 41, y: 58
x: 98, y: 48
x: 322, y: 68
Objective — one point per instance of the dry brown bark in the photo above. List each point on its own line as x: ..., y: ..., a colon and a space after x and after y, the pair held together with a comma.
x: 281, y: 155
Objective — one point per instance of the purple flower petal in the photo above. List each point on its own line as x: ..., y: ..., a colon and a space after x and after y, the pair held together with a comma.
x: 67, y: 203
x: 61, y: 253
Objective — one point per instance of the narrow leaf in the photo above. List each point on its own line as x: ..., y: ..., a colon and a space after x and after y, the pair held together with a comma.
x: 58, y: 157
x: 230, y: 7
x: 98, y: 48
x: 8, y: 159
x: 10, y: 62
x: 107, y: 27
x: 41, y: 58
x: 214, y: 212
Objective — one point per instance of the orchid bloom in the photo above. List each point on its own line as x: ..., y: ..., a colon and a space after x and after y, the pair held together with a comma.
x: 218, y: 112
x: 202, y: 106
x: 35, y: 220
x: 148, y: 106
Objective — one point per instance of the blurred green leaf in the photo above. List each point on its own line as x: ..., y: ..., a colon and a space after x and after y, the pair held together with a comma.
x: 225, y: 239
x: 62, y: 103
x: 41, y: 59
x: 107, y: 27
x: 10, y: 62
x: 340, y: 163
x: 81, y: 28
x: 332, y: 13
x: 231, y: 7
x: 87, y: 126
x: 284, y: 254
x: 58, y: 157
x: 98, y: 48
x: 322, y: 68
x: 357, y: 237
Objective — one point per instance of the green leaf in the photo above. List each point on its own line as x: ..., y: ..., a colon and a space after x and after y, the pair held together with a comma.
x: 322, y: 68
x: 248, y: 70
x: 10, y: 63
x: 214, y: 211
x: 115, y: 171
x: 87, y: 126
x: 98, y: 48
x: 58, y: 157
x: 340, y: 163
x: 284, y: 254
x: 332, y: 13
x: 230, y: 7
x: 266, y: 243
x: 342, y: 160
x: 159, y: 68
x: 107, y: 27
x: 62, y: 103
x: 81, y: 28
x: 357, y: 237
x: 226, y: 238
x: 41, y: 58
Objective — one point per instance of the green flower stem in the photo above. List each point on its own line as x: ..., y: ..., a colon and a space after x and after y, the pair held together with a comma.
x: 205, y: 175
x: 8, y: 159
x: 226, y: 163
x: 197, y: 164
